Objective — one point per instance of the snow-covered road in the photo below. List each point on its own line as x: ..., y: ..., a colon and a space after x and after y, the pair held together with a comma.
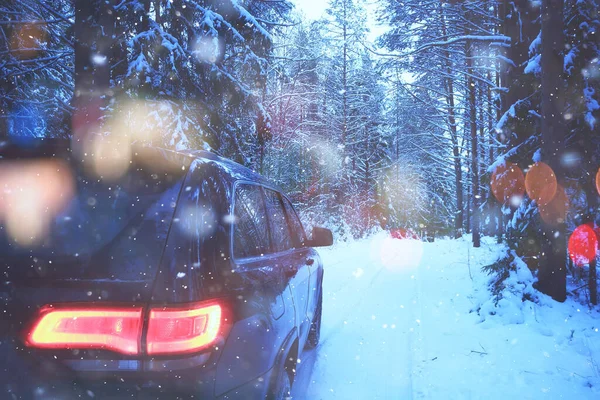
x: 400, y: 321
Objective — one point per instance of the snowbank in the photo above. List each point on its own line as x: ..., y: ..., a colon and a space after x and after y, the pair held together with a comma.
x: 429, y: 327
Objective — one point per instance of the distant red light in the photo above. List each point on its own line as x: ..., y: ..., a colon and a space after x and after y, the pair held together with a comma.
x: 583, y: 245
x: 404, y: 234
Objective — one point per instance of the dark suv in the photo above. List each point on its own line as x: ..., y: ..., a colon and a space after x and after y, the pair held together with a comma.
x: 187, y: 276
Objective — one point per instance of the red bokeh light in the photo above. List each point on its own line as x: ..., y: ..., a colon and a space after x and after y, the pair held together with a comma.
x: 508, y: 183
x: 583, y: 245
x: 541, y: 183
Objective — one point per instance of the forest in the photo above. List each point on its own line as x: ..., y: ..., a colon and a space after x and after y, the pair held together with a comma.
x: 431, y: 126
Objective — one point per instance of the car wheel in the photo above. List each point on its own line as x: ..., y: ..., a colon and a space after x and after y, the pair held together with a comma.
x: 315, y: 327
x: 282, y: 386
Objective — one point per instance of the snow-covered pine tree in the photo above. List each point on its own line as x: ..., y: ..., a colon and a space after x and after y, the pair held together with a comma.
x: 419, y: 185
x: 576, y: 161
x: 196, y: 68
x: 213, y: 71
x: 36, y: 67
x: 345, y: 33
x: 450, y: 49
x: 296, y: 102
x: 366, y: 145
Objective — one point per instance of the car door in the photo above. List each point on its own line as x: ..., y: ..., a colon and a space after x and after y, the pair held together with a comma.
x: 252, y: 248
x: 292, y: 258
x: 307, y: 255
x: 260, y: 294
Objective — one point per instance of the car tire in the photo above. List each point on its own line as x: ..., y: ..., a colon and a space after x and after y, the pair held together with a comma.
x: 282, y: 386
x: 314, y: 335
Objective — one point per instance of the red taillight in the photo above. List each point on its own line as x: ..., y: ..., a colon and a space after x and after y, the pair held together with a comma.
x: 171, y: 330
x: 98, y: 328
x: 183, y: 329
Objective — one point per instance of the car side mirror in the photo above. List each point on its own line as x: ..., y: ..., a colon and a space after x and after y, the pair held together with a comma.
x: 321, y: 237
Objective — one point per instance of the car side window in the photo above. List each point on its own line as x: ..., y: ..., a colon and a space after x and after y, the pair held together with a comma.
x: 280, y: 231
x: 296, y: 228
x: 251, y: 230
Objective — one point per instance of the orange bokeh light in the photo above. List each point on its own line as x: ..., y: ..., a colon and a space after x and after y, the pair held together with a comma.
x: 541, y: 183
x: 507, y: 183
x: 555, y: 212
x: 32, y: 194
x: 27, y: 41
x: 598, y: 181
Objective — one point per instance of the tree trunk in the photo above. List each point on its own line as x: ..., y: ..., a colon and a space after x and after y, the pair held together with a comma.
x: 553, y: 271
x: 589, y: 217
x: 345, y: 86
x: 83, y: 117
x: 469, y: 209
x: 593, y: 283
x: 474, y: 144
x: 94, y: 29
x: 84, y: 13
x: 458, y: 219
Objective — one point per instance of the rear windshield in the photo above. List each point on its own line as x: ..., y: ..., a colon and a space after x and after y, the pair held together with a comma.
x: 106, y: 229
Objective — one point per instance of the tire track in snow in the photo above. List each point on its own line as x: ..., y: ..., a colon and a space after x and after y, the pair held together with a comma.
x: 350, y: 307
x: 365, y: 350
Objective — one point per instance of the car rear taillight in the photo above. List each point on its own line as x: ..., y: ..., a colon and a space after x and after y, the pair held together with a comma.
x: 91, y: 328
x: 183, y: 329
x: 170, y: 330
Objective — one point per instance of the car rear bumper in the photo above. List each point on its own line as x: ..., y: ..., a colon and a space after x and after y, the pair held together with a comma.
x: 255, y: 389
x: 30, y: 376
x: 25, y: 375
x: 71, y: 390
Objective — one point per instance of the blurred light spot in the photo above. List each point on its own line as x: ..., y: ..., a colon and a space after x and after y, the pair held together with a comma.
x: 27, y: 40
x: 99, y: 59
x: 108, y: 146
x: 229, y: 219
x: 358, y: 273
x: 197, y: 220
x: 397, y: 255
x: 583, y: 245
x: 570, y: 159
x: 592, y: 71
x: 555, y: 212
x: 138, y: 120
x: 598, y: 181
x: 207, y: 49
x: 33, y: 193
x: 515, y: 201
x: 111, y: 157
x: 508, y: 184
x: 541, y: 183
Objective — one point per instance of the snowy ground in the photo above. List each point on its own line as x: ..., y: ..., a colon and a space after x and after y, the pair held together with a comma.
x: 401, y: 321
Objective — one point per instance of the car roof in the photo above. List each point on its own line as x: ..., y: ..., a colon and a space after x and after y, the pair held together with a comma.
x: 236, y: 171
x: 26, y: 147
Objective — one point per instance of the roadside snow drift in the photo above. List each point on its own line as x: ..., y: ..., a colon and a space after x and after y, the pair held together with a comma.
x: 406, y: 319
